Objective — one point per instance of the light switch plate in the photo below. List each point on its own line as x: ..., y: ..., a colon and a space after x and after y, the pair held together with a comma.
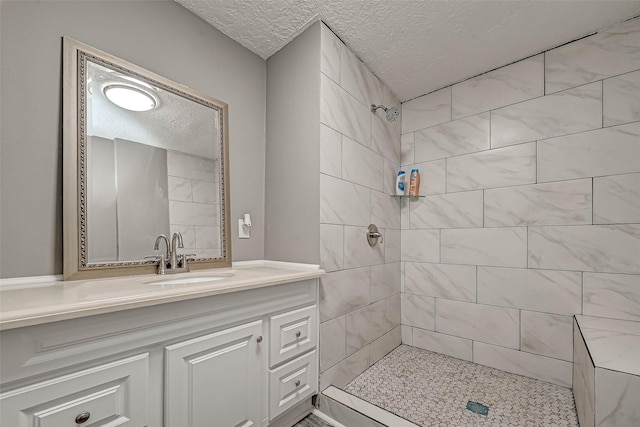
x: 242, y: 233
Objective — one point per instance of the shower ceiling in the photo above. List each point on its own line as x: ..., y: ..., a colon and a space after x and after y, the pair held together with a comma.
x: 417, y: 46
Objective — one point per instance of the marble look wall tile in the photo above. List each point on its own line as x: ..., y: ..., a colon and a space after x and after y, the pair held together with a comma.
x: 344, y: 291
x: 385, y: 210
x: 457, y: 282
x: 502, y: 247
x: 206, y: 192
x: 605, y: 54
x: 361, y: 165
x: 495, y: 325
x: 599, y: 248
x: 454, y: 210
x: 331, y: 247
x: 207, y: 237
x: 191, y: 167
x: 427, y: 110
x: 460, y: 348
x: 621, y: 99
x: 347, y: 370
x: 462, y: 136
x: 385, y: 138
x: 583, y: 380
x: 616, y: 199
x: 383, y: 345
x: 547, y: 334
x: 390, y: 173
x: 342, y: 112
x: 385, y: 281
x: 517, y: 82
x: 185, y: 213
x: 365, y: 325
x: 496, y: 168
x: 432, y: 176
x: 549, y: 291
x: 357, y: 252
x: 330, y: 151
x: 615, y: 296
x: 407, y: 148
x: 420, y: 245
x: 330, y: 51
x: 518, y: 362
x: 418, y: 311
x: 332, y: 342
x: 180, y: 189
x: 407, y: 334
x: 608, y: 151
x: 394, y: 310
x: 392, y: 249
x: 557, y: 203
x: 570, y: 111
x: 404, y: 215
x: 356, y: 79
x: 617, y: 398
x: 342, y: 202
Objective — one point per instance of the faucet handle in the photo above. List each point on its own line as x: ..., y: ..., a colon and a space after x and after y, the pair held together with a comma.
x: 162, y: 262
x: 185, y: 258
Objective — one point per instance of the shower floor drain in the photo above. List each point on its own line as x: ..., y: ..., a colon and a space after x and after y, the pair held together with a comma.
x: 477, y: 408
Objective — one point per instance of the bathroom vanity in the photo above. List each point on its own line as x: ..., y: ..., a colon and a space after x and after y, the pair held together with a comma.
x: 223, y: 347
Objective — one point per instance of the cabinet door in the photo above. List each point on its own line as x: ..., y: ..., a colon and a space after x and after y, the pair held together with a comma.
x: 216, y: 379
x: 111, y: 394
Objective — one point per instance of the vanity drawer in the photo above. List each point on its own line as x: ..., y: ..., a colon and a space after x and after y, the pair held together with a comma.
x: 292, y: 383
x: 113, y: 394
x: 292, y: 334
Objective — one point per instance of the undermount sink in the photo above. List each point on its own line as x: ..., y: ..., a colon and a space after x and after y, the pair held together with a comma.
x: 191, y: 279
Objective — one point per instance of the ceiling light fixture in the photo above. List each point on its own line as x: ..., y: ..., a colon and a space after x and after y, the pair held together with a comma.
x: 129, y: 98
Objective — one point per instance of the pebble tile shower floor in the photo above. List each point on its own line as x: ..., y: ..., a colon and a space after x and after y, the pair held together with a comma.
x: 431, y: 389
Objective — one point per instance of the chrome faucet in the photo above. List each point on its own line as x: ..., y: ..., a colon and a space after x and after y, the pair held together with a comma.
x: 162, y: 259
x: 176, y: 240
x: 170, y: 262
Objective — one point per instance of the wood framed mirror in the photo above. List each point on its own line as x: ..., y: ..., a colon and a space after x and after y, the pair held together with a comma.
x: 134, y: 171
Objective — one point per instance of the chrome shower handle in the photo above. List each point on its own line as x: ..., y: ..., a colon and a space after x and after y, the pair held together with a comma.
x: 373, y: 235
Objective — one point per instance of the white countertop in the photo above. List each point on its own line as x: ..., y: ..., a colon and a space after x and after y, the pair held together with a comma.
x: 613, y: 344
x: 32, y: 304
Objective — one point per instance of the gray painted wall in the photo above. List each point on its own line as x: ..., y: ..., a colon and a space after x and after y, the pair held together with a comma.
x: 159, y: 35
x: 293, y: 151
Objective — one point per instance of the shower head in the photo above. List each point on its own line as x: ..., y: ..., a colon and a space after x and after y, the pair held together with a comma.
x: 391, y: 113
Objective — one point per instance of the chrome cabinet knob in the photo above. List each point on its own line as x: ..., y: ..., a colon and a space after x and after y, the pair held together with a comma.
x: 259, y: 339
x: 83, y: 417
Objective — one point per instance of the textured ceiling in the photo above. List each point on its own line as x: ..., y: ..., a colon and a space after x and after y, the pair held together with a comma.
x: 417, y: 46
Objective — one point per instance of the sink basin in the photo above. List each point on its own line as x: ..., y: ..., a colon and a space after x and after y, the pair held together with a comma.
x: 191, y: 279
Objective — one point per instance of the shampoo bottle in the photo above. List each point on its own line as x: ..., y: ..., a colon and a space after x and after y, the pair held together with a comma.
x: 400, y: 183
x: 414, y: 183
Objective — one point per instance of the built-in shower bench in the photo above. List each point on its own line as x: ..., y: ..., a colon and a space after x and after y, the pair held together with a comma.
x: 606, y: 371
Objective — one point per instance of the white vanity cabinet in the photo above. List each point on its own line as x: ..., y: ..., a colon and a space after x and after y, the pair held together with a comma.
x: 243, y: 358
x: 109, y: 394
x: 216, y: 379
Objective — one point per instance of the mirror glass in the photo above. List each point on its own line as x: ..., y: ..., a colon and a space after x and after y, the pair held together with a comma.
x: 149, y: 160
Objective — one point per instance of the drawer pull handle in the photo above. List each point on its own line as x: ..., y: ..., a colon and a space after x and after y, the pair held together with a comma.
x: 298, y: 383
x: 259, y: 339
x: 298, y: 334
x: 83, y: 417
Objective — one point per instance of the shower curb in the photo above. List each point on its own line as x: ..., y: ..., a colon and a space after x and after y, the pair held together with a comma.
x: 351, y: 410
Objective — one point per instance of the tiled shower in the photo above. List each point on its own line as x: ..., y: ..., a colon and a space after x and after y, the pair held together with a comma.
x: 531, y: 214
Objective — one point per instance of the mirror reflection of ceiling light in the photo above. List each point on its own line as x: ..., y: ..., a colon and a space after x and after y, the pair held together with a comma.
x: 129, y: 98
